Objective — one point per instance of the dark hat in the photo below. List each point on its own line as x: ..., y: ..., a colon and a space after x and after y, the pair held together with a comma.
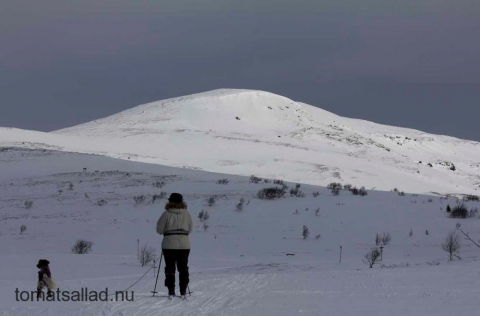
x: 42, y: 263
x: 175, y: 198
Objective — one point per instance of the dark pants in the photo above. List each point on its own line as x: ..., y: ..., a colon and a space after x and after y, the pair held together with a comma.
x: 178, y: 258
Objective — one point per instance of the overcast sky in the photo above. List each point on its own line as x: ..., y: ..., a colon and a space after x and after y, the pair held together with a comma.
x: 411, y: 63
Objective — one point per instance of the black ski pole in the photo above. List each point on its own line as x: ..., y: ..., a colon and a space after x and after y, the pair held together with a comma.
x: 158, y: 272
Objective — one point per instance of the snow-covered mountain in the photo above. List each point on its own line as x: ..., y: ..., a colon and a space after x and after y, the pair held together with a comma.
x: 253, y: 132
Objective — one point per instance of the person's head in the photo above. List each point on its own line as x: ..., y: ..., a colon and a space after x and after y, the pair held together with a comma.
x: 175, y: 201
x: 42, y: 263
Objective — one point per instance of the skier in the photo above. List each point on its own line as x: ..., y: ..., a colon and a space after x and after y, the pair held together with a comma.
x: 175, y: 225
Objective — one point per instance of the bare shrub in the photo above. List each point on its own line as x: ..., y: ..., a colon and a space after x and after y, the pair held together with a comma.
x: 82, y: 247
x: 266, y: 181
x: 471, y: 198
x: 459, y: 211
x: 348, y: 187
x: 240, y: 205
x: 70, y: 186
x: 317, y: 212
x: 139, y: 199
x: 222, y: 181
x: 101, y: 202
x: 158, y: 184
x: 160, y: 196
x: 449, y: 209
x: 335, y: 191
x: 296, y: 191
x: 315, y: 194
x: 28, y: 204
x: 278, y: 182
x: 401, y: 193
x: 427, y: 233
x: 410, y: 234
x: 271, y: 193
x: 86, y: 196
x: 22, y: 229
x: 254, y: 179
x: 211, y: 200
x: 373, y: 256
x: 452, y: 245
x: 203, y: 216
x: 146, y: 255
x: 317, y: 237
x: 362, y: 191
x: 305, y: 232
x: 296, y: 212
x: 205, y: 227
x: 383, y: 239
x: 430, y: 200
x: 334, y: 185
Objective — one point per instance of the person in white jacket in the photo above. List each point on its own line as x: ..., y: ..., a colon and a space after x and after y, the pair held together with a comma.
x: 175, y: 225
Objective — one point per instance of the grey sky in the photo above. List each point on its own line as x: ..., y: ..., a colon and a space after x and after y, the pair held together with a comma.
x: 407, y: 63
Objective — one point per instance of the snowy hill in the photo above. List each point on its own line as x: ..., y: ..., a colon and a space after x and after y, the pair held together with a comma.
x: 239, y: 264
x: 248, y: 132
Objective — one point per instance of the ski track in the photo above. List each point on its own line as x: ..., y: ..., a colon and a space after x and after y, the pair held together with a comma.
x: 216, y: 296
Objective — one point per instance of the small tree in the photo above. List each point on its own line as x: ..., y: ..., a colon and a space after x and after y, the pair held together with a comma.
x: 373, y: 256
x: 305, y: 232
x: 22, y: 229
x: 82, y: 247
x: 383, y: 239
x: 449, y: 209
x: 146, y: 255
x: 452, y: 245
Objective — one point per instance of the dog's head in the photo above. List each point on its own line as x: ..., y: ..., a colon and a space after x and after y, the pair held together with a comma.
x: 43, y: 263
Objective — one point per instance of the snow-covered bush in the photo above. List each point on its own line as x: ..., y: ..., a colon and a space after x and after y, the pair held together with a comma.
x: 146, y: 255
x: 82, y: 247
x: 28, y: 204
x: 271, y: 193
